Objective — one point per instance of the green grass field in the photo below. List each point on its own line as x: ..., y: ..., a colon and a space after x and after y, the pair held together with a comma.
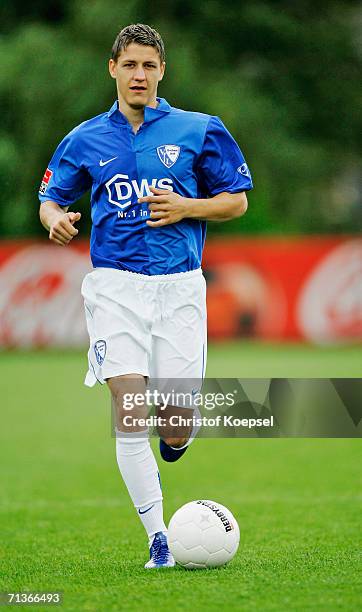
x: 67, y: 523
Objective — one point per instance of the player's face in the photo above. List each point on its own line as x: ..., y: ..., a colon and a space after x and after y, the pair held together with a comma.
x: 137, y: 71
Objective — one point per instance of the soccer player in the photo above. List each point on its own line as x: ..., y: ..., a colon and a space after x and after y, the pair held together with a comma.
x: 156, y: 175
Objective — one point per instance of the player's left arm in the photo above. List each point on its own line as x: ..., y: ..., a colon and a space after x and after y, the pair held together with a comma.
x: 222, y: 174
x: 169, y: 207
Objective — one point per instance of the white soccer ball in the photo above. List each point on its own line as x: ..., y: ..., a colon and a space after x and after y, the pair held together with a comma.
x: 203, y: 534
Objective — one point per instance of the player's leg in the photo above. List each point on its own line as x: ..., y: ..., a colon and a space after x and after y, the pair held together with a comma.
x: 179, y: 358
x: 176, y: 425
x: 175, y: 439
x: 137, y: 463
x: 118, y: 320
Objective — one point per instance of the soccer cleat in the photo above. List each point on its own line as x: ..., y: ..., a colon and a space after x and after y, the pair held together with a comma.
x: 160, y: 555
x: 170, y: 454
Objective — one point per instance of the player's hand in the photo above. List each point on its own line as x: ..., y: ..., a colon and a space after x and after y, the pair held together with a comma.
x: 62, y: 230
x: 165, y: 207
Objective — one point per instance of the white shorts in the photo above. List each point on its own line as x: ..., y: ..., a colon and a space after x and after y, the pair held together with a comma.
x: 149, y: 325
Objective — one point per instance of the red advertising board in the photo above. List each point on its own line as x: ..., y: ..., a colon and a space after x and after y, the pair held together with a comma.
x: 273, y: 288
x: 294, y: 288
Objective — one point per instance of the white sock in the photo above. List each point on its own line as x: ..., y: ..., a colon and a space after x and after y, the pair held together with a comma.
x: 139, y: 470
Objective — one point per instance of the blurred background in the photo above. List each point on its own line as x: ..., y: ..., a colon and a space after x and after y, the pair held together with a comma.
x: 284, y: 77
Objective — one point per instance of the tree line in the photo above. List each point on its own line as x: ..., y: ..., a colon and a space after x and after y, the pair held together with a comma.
x: 283, y: 76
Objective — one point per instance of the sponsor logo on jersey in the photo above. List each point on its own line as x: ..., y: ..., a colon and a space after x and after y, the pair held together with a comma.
x: 100, y: 349
x: 45, y: 180
x: 168, y: 154
x: 244, y: 170
x: 122, y: 191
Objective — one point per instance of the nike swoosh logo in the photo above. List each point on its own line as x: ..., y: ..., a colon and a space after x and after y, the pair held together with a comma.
x: 144, y: 511
x: 103, y: 163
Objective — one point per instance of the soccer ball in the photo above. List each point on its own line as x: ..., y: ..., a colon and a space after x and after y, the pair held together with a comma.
x: 203, y: 534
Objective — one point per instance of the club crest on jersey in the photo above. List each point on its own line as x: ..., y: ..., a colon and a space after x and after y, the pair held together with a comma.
x: 100, y: 349
x: 168, y: 154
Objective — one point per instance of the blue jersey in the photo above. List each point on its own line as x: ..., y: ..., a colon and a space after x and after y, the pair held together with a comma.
x: 190, y: 153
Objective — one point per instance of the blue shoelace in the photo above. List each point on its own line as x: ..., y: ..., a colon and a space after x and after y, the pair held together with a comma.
x: 159, y: 549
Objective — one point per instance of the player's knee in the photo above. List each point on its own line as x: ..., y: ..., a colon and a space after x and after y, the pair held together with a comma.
x: 175, y: 442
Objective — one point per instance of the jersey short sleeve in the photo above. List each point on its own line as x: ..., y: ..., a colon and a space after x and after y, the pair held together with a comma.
x: 221, y: 164
x: 65, y: 180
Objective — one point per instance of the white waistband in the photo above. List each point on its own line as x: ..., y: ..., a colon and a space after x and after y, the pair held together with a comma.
x: 154, y: 277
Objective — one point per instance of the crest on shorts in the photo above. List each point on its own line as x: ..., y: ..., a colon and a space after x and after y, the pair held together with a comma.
x: 100, y: 349
x: 168, y: 154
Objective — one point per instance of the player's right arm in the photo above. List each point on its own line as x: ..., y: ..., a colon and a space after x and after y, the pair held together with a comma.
x: 59, y: 222
x: 65, y: 180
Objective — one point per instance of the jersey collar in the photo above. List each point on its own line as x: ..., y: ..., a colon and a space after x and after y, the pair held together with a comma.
x: 151, y: 114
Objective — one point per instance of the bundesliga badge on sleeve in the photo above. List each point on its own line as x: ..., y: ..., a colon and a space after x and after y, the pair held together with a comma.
x: 45, y: 181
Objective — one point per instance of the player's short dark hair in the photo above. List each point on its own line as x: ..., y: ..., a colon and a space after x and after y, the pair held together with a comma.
x: 140, y: 34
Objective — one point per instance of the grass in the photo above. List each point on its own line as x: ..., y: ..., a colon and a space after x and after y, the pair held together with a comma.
x: 67, y: 524
x: 252, y: 359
